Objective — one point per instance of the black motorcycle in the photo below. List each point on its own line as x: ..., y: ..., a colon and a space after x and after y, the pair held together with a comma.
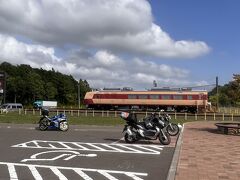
x: 150, y: 129
x: 172, y: 128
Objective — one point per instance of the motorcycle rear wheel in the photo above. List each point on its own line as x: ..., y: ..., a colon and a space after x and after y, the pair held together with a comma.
x: 163, y: 140
x: 174, y: 130
x: 129, y: 138
x: 43, y: 124
x: 63, y: 126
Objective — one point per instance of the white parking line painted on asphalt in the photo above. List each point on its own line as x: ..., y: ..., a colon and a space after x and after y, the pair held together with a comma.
x: 129, y: 148
x: 82, y: 172
x: 97, y: 147
x: 12, y: 172
x: 58, y: 173
x: 35, y: 173
x: 64, y: 145
x: 58, y: 154
x: 111, y: 147
x: 107, y: 175
x: 142, y: 147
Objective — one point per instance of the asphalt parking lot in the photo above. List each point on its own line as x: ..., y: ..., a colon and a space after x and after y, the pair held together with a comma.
x: 83, y: 152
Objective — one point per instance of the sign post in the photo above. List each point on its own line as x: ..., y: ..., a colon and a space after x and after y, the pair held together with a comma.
x: 3, y: 86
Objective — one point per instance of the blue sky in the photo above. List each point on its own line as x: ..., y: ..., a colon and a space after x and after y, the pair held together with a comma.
x: 125, y: 42
x: 214, y: 22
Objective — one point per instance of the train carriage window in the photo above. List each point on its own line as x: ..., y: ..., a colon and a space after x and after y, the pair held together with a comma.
x: 200, y: 96
x: 154, y: 96
x: 166, y: 97
x: 178, y: 97
x: 189, y: 97
x: 143, y: 96
x: 132, y: 96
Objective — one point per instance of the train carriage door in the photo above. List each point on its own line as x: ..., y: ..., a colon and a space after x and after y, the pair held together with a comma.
x: 203, y: 101
x: 98, y: 99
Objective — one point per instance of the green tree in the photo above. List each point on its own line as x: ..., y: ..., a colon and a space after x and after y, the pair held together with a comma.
x: 229, y: 94
x: 50, y: 91
x: 26, y: 84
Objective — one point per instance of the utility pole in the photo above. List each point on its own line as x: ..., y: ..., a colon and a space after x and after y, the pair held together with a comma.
x: 154, y: 83
x: 3, y: 86
x: 79, y: 103
x: 217, y: 103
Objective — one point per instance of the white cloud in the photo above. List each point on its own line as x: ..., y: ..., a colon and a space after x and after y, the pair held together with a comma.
x: 152, y: 42
x: 73, y: 20
x: 100, y: 69
x: 110, y: 40
x: 134, y: 72
x: 124, y: 26
x: 16, y: 52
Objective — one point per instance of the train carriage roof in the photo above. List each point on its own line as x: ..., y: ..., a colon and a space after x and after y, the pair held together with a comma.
x: 150, y: 92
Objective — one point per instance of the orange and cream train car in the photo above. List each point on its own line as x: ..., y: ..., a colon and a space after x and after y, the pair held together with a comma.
x: 191, y: 101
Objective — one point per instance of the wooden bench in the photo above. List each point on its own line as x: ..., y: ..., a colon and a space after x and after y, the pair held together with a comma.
x: 229, y: 128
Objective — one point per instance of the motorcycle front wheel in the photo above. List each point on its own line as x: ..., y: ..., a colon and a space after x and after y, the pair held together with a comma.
x: 63, y: 126
x: 172, y: 129
x: 165, y: 140
x: 43, y: 124
x: 129, y: 138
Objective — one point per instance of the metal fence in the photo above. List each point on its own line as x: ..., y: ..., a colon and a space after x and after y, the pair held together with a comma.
x: 220, y: 116
x: 229, y: 110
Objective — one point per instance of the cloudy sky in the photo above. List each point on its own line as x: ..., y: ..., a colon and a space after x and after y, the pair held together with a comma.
x: 119, y: 43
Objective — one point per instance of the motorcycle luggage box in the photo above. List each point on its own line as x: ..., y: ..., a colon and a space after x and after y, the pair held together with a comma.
x: 45, y: 112
x: 132, y: 117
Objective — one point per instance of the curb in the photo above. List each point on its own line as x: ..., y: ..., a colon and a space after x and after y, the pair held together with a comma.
x: 173, y: 167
